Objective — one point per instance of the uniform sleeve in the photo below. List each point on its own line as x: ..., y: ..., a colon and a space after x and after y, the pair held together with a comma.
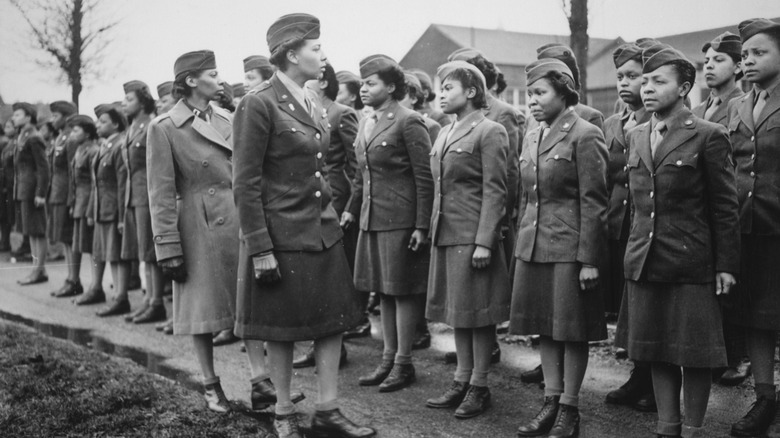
x: 160, y: 171
x: 38, y: 150
x: 70, y: 150
x: 494, y: 147
x: 121, y: 182
x: 722, y: 199
x: 592, y: 159
x: 251, y: 136
x: 418, y: 146
x: 348, y: 128
x: 356, y: 198
x: 597, y: 119
x: 510, y: 121
x: 522, y: 196
x: 91, y: 207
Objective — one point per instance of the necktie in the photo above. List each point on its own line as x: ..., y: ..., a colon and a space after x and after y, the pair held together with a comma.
x: 370, y: 124
x: 759, y: 106
x: 657, y: 136
x: 544, y: 131
x: 714, y: 104
x: 630, y: 123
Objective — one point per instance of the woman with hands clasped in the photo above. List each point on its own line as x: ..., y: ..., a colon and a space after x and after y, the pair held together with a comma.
x: 393, y: 198
x: 468, y: 284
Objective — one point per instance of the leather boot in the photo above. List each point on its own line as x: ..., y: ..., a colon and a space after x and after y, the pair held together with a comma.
x: 535, y: 375
x: 477, y: 400
x: 451, y: 398
x: 736, y: 375
x: 757, y: 420
x: 423, y: 340
x: 567, y: 425
x: 637, y: 386
x: 543, y: 422
x: 216, y: 399
x: 264, y: 395
x: 333, y: 424
x: 401, y: 376
x: 286, y: 426
x: 378, y: 375
x: 153, y: 313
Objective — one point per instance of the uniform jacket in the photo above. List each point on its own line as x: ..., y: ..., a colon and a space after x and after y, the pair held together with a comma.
x: 513, y: 122
x: 340, y: 161
x: 284, y: 201
x: 189, y: 171
x: 722, y: 113
x: 433, y: 128
x: 109, y: 178
x: 60, y: 156
x: 757, y: 155
x: 81, y: 178
x: 31, y: 169
x: 134, y: 155
x: 617, y: 175
x: 393, y: 189
x: 469, y: 171
x: 563, y: 209
x: 684, y: 203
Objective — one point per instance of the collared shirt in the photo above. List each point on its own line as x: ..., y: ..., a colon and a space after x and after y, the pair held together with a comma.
x: 381, y: 109
x: 769, y: 91
x: 297, y: 91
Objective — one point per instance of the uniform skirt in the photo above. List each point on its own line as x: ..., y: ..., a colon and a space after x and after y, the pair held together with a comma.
x: 314, y: 299
x: 755, y: 302
x: 107, y: 243
x: 59, y: 224
x: 547, y: 300
x: 462, y: 296
x: 82, y: 236
x: 30, y: 220
x: 384, y: 263
x: 137, y: 238
x: 674, y: 323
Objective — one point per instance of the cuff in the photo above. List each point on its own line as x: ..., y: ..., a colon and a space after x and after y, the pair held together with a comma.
x: 258, y: 242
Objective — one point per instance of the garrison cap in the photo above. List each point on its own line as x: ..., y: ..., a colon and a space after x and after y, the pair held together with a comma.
x: 291, y: 27
x: 464, y: 54
x: 256, y: 61
x: 28, y: 109
x: 345, y: 76
x: 81, y: 120
x: 194, y: 61
x: 726, y: 42
x: 537, y: 69
x: 749, y: 28
x: 63, y: 107
x: 238, y: 89
x: 413, y: 80
x: 445, y: 70
x: 114, y: 111
x: 134, y: 86
x: 562, y: 53
x: 425, y: 80
x: 375, y: 63
x: 658, y: 55
x: 646, y: 42
x: 627, y: 52
x: 164, y: 89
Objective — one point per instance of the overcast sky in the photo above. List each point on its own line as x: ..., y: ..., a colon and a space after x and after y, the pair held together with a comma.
x: 153, y: 33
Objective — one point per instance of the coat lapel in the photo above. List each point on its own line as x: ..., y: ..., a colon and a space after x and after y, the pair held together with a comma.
x: 745, y: 110
x: 180, y: 114
x: 680, y: 129
x: 464, y: 128
x: 722, y: 113
x: 642, y: 145
x: 559, y: 130
x: 387, y: 120
x: 772, y: 105
x: 289, y: 104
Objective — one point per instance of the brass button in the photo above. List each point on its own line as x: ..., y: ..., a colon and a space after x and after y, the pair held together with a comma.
x: 651, y: 234
x: 753, y: 156
x: 652, y: 214
x: 750, y: 194
x: 158, y: 238
x: 625, y: 202
x: 319, y: 155
x: 556, y: 156
x: 753, y: 174
x: 534, y: 223
x: 212, y: 191
x: 753, y: 138
x: 220, y: 221
x: 652, y: 195
x: 317, y: 194
x: 679, y: 162
x: 317, y: 136
x: 204, y: 163
x: 294, y: 130
x: 317, y: 174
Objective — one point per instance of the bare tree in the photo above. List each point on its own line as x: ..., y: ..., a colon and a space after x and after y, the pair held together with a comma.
x: 577, y: 13
x: 71, y: 35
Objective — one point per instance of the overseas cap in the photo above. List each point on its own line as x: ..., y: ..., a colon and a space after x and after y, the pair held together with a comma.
x: 749, y: 28
x: 63, y: 107
x: 290, y: 27
x: 255, y: 61
x: 445, y: 70
x: 627, y: 52
x: 164, y: 89
x: 194, y: 61
x: 134, y: 86
x: 375, y: 63
x: 537, y: 69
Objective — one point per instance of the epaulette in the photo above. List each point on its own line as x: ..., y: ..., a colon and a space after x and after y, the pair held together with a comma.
x: 263, y: 86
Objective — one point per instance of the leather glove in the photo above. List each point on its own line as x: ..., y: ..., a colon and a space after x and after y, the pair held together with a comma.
x: 174, y: 269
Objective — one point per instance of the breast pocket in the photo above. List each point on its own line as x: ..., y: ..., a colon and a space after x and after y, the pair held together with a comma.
x: 461, y: 149
x: 682, y: 161
x: 290, y: 129
x: 561, y: 153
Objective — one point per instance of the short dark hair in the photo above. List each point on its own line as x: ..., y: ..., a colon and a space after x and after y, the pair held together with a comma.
x: 180, y: 88
x: 500, y: 83
x: 563, y: 86
x: 354, y: 89
x: 416, y: 94
x: 32, y: 115
x: 487, y: 68
x: 264, y: 72
x: 394, y: 75
x: 118, y: 119
x: 686, y: 72
x: 329, y: 76
x: 279, y: 57
x: 145, y: 97
x: 468, y: 80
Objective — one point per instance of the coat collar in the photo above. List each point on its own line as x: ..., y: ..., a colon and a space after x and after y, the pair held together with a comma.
x: 218, y: 131
x: 463, y: 129
x: 680, y: 127
x: 559, y: 129
x: 386, y: 120
x: 138, y: 127
x: 772, y: 105
x: 290, y: 105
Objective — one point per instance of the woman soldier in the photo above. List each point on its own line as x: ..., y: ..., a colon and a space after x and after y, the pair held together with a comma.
x: 7, y: 215
x: 31, y: 181
x: 560, y: 240
x: 393, y: 198
x: 349, y: 92
x: 138, y: 106
x: 194, y: 220
x: 722, y: 72
x: 165, y: 99
x: 468, y: 284
x: 59, y: 227
x: 637, y: 392
x: 429, y: 95
x: 257, y: 69
x: 756, y: 305
x: 83, y: 135
x: 682, y: 247
x: 105, y: 212
x: 294, y: 278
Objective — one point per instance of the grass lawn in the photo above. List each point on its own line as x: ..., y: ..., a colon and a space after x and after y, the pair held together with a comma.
x: 53, y: 388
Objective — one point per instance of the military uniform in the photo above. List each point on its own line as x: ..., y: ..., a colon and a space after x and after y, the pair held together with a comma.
x: 137, y: 240
x: 31, y: 180
x: 109, y: 179
x: 60, y: 221
x: 82, y: 195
